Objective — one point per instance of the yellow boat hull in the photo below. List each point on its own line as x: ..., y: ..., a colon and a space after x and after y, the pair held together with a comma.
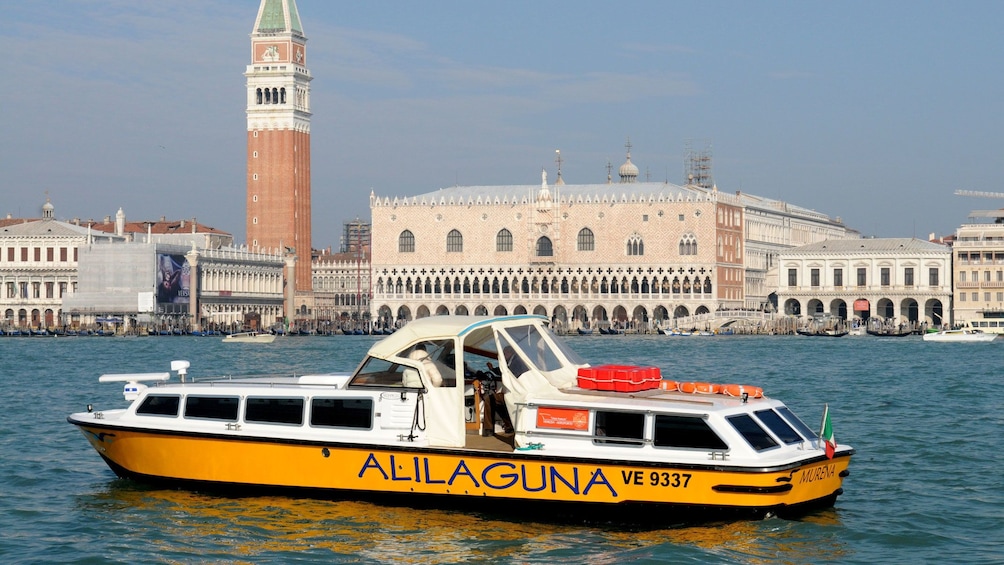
x: 520, y: 475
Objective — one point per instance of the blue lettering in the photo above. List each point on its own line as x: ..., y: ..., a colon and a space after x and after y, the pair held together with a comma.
x: 393, y: 472
x: 372, y: 463
x: 556, y: 476
x: 503, y: 475
x: 543, y: 480
x: 599, y: 479
x: 428, y: 474
x: 462, y: 471
x: 511, y: 478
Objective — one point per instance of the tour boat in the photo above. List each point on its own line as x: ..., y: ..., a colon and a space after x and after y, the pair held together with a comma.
x: 963, y: 335
x: 495, y: 412
x: 249, y: 337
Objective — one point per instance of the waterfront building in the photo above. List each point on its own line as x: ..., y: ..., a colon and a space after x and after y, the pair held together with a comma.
x: 157, y: 286
x: 978, y: 249
x: 897, y: 280
x: 38, y: 268
x: 773, y: 226
x: 342, y: 290
x: 620, y: 255
x: 278, y: 143
x: 628, y: 254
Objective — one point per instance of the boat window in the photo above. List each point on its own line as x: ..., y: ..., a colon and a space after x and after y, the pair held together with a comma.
x: 757, y: 437
x: 342, y: 413
x: 480, y: 353
x: 380, y: 373
x: 687, y: 432
x: 621, y: 428
x: 274, y: 410
x: 160, y: 405
x: 534, y: 347
x: 776, y: 424
x: 212, y: 407
x: 797, y: 422
x: 563, y: 347
x: 441, y: 359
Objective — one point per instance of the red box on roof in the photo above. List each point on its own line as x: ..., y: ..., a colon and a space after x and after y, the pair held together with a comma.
x: 619, y: 378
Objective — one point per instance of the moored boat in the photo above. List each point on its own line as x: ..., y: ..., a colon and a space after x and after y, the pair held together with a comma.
x: 827, y: 332
x: 428, y: 413
x: 249, y: 337
x: 960, y: 335
x: 889, y: 332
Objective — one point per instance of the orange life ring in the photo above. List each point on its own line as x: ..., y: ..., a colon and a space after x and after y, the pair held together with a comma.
x: 738, y: 390
x: 668, y: 385
x: 700, y: 388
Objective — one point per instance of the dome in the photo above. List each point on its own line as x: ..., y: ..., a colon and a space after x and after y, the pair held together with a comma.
x: 628, y: 171
x: 48, y: 210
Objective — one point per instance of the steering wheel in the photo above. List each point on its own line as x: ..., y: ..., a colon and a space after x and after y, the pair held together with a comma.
x: 488, y: 379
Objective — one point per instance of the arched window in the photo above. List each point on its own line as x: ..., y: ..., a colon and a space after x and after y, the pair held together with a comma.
x: 454, y: 242
x: 503, y: 240
x: 544, y: 247
x: 406, y: 242
x: 587, y: 242
x: 688, y: 244
x: 635, y: 245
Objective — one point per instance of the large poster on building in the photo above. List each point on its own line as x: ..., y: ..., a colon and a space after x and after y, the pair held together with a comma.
x: 173, y: 279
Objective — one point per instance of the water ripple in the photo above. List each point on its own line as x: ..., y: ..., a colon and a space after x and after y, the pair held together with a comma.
x: 924, y: 485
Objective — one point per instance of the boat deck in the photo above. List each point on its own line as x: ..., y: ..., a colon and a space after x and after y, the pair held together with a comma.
x: 494, y: 442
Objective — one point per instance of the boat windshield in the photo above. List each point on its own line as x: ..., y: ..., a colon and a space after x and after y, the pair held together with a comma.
x: 544, y: 354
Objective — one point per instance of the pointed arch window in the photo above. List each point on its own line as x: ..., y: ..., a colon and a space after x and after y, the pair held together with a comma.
x: 688, y: 244
x: 586, y: 241
x: 406, y: 242
x: 503, y: 240
x: 454, y: 242
x: 544, y: 247
x: 635, y: 245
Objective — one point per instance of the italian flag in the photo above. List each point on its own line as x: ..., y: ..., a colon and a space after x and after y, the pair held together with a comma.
x: 829, y: 441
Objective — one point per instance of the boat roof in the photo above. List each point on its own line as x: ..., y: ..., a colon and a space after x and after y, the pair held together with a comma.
x: 440, y: 327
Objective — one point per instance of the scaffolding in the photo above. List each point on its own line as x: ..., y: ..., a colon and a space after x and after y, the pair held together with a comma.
x: 698, y: 166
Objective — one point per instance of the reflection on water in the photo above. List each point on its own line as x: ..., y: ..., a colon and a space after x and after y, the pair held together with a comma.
x: 177, y: 524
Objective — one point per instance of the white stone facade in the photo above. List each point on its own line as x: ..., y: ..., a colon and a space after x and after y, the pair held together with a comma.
x: 342, y: 291
x: 772, y: 227
x: 38, y: 268
x: 898, y: 280
x: 237, y: 286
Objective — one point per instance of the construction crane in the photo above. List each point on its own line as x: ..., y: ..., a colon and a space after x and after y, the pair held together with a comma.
x: 979, y: 193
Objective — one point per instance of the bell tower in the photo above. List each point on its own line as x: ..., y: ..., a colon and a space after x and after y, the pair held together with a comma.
x: 278, y: 114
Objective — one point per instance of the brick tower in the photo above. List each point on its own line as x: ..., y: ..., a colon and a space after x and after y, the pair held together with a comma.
x: 278, y: 111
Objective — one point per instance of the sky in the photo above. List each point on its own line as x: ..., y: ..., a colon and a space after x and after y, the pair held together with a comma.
x: 873, y: 112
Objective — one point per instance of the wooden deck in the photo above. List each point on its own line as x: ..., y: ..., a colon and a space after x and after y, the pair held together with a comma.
x: 494, y: 442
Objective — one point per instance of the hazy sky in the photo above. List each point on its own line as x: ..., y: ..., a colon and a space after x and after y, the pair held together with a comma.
x: 875, y: 112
